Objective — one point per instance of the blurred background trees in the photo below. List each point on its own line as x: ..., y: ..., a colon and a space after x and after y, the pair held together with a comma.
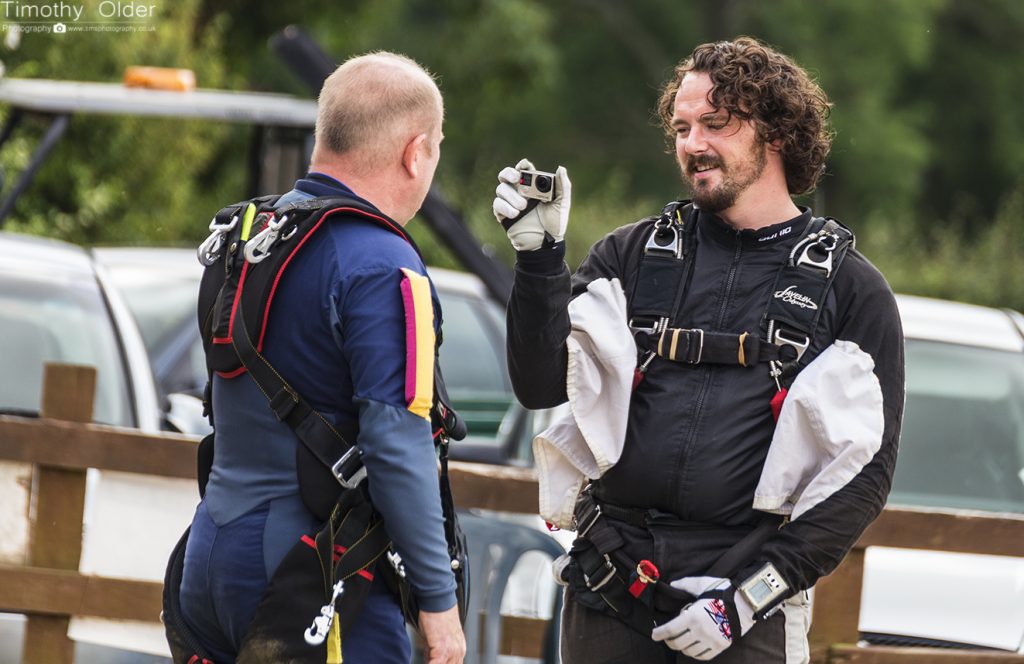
x: 926, y: 168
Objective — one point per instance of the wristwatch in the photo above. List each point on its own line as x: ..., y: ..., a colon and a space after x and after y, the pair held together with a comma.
x: 764, y: 587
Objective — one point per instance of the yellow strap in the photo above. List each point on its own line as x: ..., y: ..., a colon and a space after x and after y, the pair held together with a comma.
x: 742, y: 355
x: 250, y: 214
x: 334, y: 643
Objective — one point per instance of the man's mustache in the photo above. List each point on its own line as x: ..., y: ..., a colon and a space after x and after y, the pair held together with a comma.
x: 702, y: 163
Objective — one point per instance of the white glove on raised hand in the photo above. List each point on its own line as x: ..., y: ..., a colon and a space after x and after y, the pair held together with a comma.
x: 704, y: 629
x: 527, y: 231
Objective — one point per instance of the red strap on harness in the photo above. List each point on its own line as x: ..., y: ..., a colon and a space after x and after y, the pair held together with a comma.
x: 638, y: 377
x: 777, y: 401
x: 646, y: 574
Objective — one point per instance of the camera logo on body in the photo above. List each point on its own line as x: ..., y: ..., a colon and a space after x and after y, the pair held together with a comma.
x: 537, y: 184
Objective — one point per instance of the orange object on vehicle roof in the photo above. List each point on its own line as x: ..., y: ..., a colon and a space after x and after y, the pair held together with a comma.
x: 160, y: 78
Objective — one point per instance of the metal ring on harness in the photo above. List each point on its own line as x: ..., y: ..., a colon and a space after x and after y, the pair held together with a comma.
x: 209, y: 250
x: 673, y: 246
x: 822, y: 241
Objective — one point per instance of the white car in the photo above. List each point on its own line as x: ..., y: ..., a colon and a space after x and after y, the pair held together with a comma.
x: 962, y: 446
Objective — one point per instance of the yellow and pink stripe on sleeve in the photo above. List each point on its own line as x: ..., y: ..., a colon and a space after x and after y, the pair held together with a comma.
x: 419, y: 343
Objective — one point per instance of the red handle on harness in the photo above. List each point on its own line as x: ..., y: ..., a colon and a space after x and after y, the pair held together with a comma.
x: 646, y: 574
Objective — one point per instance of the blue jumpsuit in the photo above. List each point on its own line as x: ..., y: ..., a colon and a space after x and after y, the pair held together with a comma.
x: 338, y: 332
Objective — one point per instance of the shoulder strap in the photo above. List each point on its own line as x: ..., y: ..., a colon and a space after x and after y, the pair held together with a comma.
x: 663, y: 277
x: 800, y: 291
x: 662, y: 273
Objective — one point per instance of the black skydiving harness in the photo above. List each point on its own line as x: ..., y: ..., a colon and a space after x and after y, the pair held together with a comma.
x: 602, y: 575
x: 319, y: 587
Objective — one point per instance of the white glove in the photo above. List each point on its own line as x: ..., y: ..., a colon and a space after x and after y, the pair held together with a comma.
x: 702, y: 630
x: 527, y: 232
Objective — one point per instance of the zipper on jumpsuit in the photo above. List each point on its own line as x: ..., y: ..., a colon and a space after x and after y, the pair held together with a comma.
x: 684, y: 456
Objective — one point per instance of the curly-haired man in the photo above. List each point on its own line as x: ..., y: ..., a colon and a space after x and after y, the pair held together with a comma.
x: 715, y: 479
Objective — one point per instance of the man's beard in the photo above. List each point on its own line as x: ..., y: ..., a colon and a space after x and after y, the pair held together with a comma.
x: 723, y: 197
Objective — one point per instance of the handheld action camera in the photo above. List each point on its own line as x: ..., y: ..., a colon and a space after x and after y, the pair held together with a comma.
x: 537, y: 184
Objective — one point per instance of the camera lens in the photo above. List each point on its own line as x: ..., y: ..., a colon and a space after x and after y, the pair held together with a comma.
x: 543, y: 183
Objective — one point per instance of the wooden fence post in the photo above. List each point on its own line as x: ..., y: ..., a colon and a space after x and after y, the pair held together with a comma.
x: 59, y: 497
x: 837, y: 606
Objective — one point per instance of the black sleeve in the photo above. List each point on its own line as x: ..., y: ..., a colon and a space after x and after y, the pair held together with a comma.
x: 814, y: 544
x: 538, y: 316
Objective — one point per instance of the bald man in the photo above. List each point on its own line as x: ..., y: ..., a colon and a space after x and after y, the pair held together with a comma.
x: 338, y: 334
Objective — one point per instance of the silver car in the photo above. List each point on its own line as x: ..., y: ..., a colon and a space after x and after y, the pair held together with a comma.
x: 56, y: 305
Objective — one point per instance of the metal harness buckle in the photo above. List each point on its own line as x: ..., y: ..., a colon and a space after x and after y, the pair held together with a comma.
x: 258, y: 248
x: 670, y: 247
x: 673, y: 246
x: 800, y: 346
x: 209, y: 250
x: 609, y: 574
x: 591, y: 518
x: 700, y: 346
x: 345, y: 472
x: 820, y: 241
x: 638, y: 324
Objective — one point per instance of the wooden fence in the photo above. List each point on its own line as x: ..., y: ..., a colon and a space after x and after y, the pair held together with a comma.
x: 62, y: 445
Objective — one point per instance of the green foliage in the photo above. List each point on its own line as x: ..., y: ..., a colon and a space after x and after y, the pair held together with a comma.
x: 117, y: 180
x: 934, y: 261
x: 925, y: 166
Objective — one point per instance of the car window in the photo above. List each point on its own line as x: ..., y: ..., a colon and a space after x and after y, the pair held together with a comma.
x: 473, y: 352
x: 473, y: 361
x: 52, y: 318
x: 962, y: 444
x: 159, y: 318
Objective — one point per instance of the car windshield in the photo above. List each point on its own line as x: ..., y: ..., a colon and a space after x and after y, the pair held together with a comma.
x: 53, y: 317
x: 962, y: 444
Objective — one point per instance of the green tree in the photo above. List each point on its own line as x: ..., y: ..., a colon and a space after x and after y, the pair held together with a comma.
x: 122, y: 179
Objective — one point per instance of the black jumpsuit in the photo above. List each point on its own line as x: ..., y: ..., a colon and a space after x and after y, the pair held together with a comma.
x: 698, y: 435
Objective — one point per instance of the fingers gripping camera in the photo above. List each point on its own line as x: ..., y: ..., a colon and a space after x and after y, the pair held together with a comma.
x: 532, y: 205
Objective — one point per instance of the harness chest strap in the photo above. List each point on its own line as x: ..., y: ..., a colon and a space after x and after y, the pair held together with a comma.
x: 791, y: 314
x: 696, y: 346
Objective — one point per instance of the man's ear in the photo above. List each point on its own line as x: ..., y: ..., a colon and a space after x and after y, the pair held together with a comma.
x: 411, y: 155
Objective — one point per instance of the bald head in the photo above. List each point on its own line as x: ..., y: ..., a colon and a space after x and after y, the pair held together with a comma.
x: 371, y: 106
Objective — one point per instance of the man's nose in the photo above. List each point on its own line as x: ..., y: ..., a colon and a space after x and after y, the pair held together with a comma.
x: 695, y: 141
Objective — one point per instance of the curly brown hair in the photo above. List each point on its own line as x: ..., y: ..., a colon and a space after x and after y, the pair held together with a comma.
x: 754, y: 82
